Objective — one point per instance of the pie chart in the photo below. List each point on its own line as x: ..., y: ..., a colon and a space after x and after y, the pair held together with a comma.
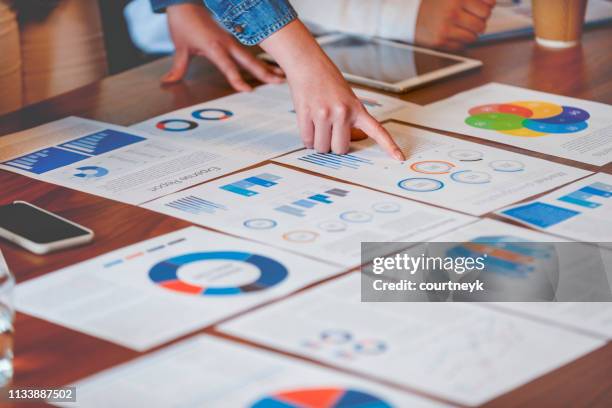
x: 321, y: 398
x: 269, y: 272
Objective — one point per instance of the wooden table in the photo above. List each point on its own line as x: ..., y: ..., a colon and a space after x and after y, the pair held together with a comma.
x: 51, y: 355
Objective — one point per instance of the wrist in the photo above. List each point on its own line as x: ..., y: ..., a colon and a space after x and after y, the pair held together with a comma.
x: 296, y: 51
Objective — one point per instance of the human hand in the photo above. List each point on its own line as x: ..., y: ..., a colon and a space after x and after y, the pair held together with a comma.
x: 326, y: 106
x: 195, y: 33
x: 451, y: 24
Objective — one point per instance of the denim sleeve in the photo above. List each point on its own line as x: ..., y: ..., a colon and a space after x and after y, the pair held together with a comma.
x: 159, y: 6
x: 252, y: 21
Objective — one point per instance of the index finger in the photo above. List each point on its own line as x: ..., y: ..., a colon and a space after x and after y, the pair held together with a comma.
x: 375, y: 130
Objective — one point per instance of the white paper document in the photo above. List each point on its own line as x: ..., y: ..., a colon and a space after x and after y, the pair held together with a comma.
x: 580, y: 211
x: 441, y: 170
x: 305, y: 213
x: 111, y: 161
x: 151, y: 292
x: 262, y: 123
x: 556, y: 125
x: 205, y: 371
x: 593, y: 318
x: 465, y: 353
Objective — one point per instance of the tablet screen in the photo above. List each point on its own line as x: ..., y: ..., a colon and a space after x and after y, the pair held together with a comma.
x: 382, y: 62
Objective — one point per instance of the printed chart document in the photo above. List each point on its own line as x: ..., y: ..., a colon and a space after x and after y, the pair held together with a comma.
x: 557, y: 125
x: 308, y: 214
x: 464, y: 353
x: 111, y: 161
x: 262, y: 123
x: 593, y: 318
x: 205, y: 371
x: 581, y: 210
x: 461, y: 352
x: 441, y: 170
x: 512, y: 19
x: 149, y: 293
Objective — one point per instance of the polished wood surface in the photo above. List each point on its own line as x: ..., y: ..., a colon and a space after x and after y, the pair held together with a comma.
x: 51, y: 355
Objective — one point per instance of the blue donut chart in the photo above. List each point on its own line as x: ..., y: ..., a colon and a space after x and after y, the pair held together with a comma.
x: 212, y: 114
x: 187, y: 125
x: 165, y: 273
x: 434, y: 185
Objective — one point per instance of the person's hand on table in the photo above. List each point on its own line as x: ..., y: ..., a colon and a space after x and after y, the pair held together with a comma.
x: 451, y: 24
x: 195, y: 33
x: 326, y: 106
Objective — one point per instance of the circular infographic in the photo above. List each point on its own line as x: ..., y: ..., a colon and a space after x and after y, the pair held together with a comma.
x: 91, y: 172
x: 432, y: 167
x: 300, y: 236
x: 471, y: 177
x: 212, y: 114
x: 508, y: 166
x: 528, y: 118
x: 332, y: 226
x: 465, y: 155
x: 260, y: 223
x: 336, y: 336
x: 167, y: 273
x: 386, y: 207
x: 321, y: 398
x: 370, y: 346
x: 420, y: 185
x: 356, y: 216
x: 176, y: 125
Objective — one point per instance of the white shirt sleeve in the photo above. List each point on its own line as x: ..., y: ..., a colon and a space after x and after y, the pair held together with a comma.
x: 392, y: 19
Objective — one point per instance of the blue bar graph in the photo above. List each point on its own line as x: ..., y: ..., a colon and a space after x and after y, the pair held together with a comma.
x: 304, y: 203
x: 45, y: 160
x: 245, y: 186
x: 322, y: 198
x: 335, y: 161
x: 287, y: 209
x: 195, y: 205
x: 310, y: 202
x: 584, y: 196
x: 102, y: 142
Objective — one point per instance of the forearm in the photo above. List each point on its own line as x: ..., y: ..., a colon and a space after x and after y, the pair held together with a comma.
x: 294, y: 48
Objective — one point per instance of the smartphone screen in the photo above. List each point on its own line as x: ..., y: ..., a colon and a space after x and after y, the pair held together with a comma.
x: 35, y: 225
x: 382, y: 62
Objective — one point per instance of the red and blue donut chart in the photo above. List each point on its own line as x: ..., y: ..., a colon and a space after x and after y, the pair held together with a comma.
x: 165, y: 273
x: 212, y: 114
x: 176, y: 125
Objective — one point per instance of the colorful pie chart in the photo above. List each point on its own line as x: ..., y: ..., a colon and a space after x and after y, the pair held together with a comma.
x: 176, y: 125
x: 212, y: 114
x: 528, y: 118
x: 166, y: 273
x: 321, y: 398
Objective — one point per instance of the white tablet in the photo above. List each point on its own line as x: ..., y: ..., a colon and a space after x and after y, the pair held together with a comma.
x: 390, y: 65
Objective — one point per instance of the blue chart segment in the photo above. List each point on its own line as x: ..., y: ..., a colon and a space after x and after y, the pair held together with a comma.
x: 506, y: 255
x: 336, y: 161
x: 212, y: 114
x: 45, y: 160
x: 165, y: 273
x: 583, y: 196
x: 245, y: 186
x: 320, y: 398
x: 298, y: 208
x: 195, y: 205
x: 540, y: 214
x: 91, y: 172
x: 102, y: 142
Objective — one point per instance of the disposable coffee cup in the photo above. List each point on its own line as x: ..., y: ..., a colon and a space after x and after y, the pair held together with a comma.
x: 558, y: 23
